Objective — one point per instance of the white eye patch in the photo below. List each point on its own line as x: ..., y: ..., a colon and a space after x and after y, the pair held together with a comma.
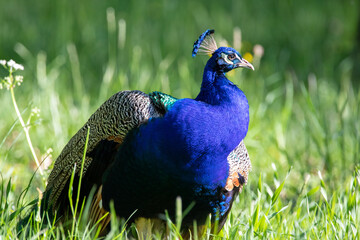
x: 225, y: 57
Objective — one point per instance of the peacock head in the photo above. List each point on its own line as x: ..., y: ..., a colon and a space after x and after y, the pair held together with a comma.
x: 223, y: 59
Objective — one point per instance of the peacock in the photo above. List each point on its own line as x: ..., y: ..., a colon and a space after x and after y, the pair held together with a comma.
x: 146, y: 150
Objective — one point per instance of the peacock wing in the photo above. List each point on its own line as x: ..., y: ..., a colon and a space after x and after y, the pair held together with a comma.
x: 111, y: 122
x: 239, y: 167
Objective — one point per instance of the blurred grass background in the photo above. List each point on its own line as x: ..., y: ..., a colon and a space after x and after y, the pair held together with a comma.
x: 304, y: 97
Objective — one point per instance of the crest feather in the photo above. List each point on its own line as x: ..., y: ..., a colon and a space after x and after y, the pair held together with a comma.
x: 205, y: 44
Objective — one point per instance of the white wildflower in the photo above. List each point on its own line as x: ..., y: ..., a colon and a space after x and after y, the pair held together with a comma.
x: 258, y: 50
x: 3, y: 62
x: 19, y: 79
x: 35, y: 112
x: 7, y: 82
x: 49, y: 151
x: 14, y: 65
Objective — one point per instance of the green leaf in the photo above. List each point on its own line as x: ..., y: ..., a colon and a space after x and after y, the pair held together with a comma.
x: 8, y: 188
x: 262, y: 224
x: 276, y: 213
x: 333, y: 202
x: 351, y: 201
x: 298, y: 212
x: 259, y: 183
x: 321, y: 180
x: 256, y: 215
x: 323, y: 193
x: 277, y: 193
x: 313, y: 191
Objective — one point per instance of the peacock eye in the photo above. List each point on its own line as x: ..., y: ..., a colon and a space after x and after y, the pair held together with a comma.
x: 231, y: 56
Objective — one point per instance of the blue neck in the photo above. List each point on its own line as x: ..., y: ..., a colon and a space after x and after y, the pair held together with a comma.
x: 215, y: 87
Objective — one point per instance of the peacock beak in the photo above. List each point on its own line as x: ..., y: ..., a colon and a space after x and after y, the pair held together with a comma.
x: 244, y: 64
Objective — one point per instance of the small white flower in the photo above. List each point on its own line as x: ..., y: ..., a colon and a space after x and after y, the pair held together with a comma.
x: 258, y: 50
x: 7, y: 82
x: 49, y: 151
x: 35, y: 112
x: 19, y: 79
x: 15, y: 65
x: 3, y: 62
x: 11, y: 63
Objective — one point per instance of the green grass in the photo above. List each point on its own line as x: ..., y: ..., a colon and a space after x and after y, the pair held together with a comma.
x: 304, y: 132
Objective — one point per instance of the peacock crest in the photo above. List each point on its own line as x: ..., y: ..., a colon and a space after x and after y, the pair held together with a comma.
x: 205, y: 44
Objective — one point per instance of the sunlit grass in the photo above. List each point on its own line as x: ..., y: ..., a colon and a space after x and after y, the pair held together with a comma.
x: 303, y: 138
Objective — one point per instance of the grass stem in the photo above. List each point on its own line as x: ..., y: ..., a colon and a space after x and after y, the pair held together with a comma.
x: 26, y: 129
